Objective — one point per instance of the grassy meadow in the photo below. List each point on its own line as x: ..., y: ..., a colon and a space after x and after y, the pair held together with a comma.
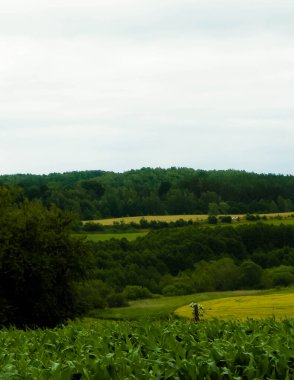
x: 101, y: 236
x: 165, y: 307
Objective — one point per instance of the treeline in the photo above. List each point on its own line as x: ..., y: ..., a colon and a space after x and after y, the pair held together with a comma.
x: 99, y: 194
x: 194, y: 259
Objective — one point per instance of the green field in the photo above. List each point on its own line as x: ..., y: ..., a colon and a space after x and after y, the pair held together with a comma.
x: 150, y: 348
x: 164, y: 307
x: 115, y: 235
x: 289, y: 221
x: 174, y: 349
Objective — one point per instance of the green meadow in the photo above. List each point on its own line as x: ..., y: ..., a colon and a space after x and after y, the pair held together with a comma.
x: 115, y: 235
x: 165, y: 307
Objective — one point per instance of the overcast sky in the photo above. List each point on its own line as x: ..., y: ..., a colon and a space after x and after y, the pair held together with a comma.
x: 122, y: 84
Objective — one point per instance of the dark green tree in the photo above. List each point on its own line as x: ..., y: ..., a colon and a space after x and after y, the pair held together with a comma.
x: 39, y: 263
x: 250, y: 275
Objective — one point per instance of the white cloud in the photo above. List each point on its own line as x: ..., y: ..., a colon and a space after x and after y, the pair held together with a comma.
x: 117, y: 85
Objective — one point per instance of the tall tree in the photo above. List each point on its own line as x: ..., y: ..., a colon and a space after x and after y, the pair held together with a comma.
x: 39, y: 263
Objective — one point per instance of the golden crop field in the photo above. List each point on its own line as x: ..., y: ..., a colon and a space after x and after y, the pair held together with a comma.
x: 158, y: 218
x: 277, y: 305
x: 174, y: 218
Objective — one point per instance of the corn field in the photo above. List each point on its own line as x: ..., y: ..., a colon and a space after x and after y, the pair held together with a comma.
x: 174, y: 349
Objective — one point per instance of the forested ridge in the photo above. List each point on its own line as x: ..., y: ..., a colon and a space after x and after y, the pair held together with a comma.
x: 99, y: 194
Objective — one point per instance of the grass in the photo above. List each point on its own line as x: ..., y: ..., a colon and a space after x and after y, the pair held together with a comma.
x: 164, y: 307
x: 101, y: 236
x: 277, y: 305
x: 280, y: 221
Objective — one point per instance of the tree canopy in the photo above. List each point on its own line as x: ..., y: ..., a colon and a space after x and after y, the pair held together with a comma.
x: 97, y: 194
x: 39, y: 263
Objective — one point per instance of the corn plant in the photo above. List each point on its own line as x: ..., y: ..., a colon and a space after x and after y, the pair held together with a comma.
x: 173, y: 349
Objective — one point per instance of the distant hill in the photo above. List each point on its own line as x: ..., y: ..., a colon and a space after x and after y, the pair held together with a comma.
x: 99, y: 194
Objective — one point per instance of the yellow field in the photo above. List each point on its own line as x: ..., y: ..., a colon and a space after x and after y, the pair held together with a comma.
x: 159, y: 218
x: 174, y: 218
x: 243, y: 307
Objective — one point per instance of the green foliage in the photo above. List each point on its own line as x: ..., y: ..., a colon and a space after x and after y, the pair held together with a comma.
x: 171, y: 290
x: 225, y: 219
x: 92, y: 227
x: 96, y: 194
x: 39, y: 263
x: 176, y: 261
x: 96, y: 237
x: 222, y: 274
x: 135, y: 292
x: 151, y: 350
x: 116, y: 300
x: 92, y: 294
x: 279, y: 276
x: 252, y: 217
x: 251, y: 274
x: 212, y: 219
x: 93, y: 187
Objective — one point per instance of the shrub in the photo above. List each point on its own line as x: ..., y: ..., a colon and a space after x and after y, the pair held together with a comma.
x: 170, y: 290
x: 179, y: 288
x: 116, y: 300
x: 252, y: 217
x: 251, y: 275
x: 92, y: 295
x: 226, y: 219
x: 281, y: 276
x: 93, y: 227
x: 212, y: 219
x: 134, y: 292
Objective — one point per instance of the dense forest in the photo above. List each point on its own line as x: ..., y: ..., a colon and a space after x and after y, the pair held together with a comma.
x: 176, y: 261
x: 99, y: 194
